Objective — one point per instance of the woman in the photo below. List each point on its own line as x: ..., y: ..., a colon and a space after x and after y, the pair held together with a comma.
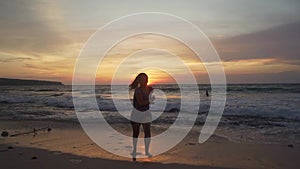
x: 140, y: 114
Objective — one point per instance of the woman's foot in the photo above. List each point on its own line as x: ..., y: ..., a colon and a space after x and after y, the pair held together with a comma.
x: 133, y: 154
x: 148, y: 154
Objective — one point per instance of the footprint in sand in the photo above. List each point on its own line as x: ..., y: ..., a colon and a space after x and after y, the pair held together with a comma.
x: 57, y: 153
x: 75, y: 161
x: 128, y: 146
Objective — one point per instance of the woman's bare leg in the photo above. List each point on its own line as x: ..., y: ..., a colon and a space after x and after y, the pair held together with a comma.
x: 135, y: 134
x: 147, y: 139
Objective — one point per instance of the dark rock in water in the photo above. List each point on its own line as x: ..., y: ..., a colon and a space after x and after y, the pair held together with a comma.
x: 10, y: 147
x: 173, y: 110
x: 33, y: 158
x: 49, y: 129
x: 204, y: 112
x: 235, y: 123
x: 4, y: 134
x: 291, y: 145
x: 58, y: 94
x: 46, y: 90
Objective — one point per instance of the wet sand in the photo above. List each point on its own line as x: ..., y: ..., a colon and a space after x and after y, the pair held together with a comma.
x: 67, y: 146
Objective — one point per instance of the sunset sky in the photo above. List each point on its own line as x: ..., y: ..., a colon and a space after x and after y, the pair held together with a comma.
x: 258, y: 41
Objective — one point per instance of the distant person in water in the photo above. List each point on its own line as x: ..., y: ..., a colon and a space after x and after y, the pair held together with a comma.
x: 207, y: 94
x: 141, y: 114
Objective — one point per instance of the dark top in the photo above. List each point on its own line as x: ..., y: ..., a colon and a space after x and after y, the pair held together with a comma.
x: 135, y: 102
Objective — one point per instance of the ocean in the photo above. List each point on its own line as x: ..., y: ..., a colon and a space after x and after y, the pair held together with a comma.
x: 268, y: 112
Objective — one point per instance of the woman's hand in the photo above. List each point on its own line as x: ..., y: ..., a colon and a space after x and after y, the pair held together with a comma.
x: 151, y: 99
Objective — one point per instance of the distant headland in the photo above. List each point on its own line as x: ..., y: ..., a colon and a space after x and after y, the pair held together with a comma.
x: 7, y: 81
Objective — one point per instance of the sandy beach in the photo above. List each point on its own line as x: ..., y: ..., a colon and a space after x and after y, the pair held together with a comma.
x: 67, y: 146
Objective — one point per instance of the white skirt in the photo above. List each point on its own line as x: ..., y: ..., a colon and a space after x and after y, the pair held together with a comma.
x: 141, y: 116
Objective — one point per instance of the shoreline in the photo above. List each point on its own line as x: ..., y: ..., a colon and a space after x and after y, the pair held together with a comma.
x: 68, y: 138
x: 235, y: 128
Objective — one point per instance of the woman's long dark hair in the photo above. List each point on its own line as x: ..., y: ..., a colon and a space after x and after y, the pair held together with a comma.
x: 137, y: 80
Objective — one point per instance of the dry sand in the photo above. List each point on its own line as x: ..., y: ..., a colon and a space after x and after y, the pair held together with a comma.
x: 67, y: 146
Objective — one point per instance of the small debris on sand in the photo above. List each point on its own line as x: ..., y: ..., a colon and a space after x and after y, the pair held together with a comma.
x: 4, y: 134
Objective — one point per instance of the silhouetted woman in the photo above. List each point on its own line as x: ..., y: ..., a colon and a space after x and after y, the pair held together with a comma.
x: 140, y: 114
